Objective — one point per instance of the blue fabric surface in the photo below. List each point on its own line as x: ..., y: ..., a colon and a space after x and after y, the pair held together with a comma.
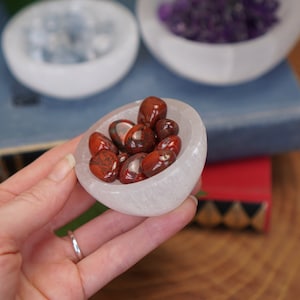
x: 259, y: 117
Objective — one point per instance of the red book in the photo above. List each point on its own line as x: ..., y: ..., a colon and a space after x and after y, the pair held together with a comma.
x: 237, y: 194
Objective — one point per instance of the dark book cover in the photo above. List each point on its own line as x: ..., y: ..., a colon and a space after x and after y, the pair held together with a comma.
x: 237, y: 194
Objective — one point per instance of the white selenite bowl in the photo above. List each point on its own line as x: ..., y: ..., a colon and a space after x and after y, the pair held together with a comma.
x: 72, y: 81
x: 219, y: 64
x: 158, y: 194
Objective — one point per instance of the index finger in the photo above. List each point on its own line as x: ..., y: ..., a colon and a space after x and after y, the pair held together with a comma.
x: 38, y: 169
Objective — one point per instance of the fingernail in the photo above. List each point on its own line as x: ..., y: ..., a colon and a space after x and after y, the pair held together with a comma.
x: 192, y: 197
x: 62, y: 168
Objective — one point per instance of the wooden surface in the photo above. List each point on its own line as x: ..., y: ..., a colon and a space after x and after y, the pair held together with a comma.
x: 221, y: 265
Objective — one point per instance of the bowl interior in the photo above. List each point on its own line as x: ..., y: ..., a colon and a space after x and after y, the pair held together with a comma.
x: 156, y: 194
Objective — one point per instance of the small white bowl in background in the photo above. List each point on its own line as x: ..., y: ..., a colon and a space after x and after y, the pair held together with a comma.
x: 72, y: 81
x: 158, y: 194
x: 219, y: 64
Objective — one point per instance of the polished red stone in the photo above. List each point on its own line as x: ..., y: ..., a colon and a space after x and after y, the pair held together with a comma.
x: 118, y: 131
x: 151, y: 110
x: 105, y: 165
x: 98, y: 141
x: 166, y: 127
x: 172, y: 142
x: 140, y: 138
x: 136, y: 151
x: 157, y: 161
x: 131, y: 171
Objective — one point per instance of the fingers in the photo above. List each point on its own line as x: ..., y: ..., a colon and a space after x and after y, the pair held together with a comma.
x: 79, y: 201
x: 34, y: 208
x: 119, y: 254
x: 102, y: 229
x: 34, y: 172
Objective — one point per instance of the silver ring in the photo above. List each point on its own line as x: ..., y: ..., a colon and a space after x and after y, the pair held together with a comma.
x: 75, y: 245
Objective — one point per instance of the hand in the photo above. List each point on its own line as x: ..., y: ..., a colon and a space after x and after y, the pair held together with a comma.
x: 37, y: 264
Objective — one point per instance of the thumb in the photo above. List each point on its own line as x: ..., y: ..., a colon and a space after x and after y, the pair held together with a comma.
x: 35, y: 207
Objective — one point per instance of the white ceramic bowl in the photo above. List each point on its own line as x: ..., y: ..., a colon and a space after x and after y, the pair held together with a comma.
x: 158, y: 194
x: 72, y: 81
x: 219, y: 64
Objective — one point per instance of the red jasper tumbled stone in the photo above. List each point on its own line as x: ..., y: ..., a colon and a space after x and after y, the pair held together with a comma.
x: 140, y: 138
x: 157, y: 161
x: 151, y: 110
x: 98, y: 141
x: 166, y: 127
x: 131, y: 171
x: 136, y: 151
x: 105, y: 165
x: 118, y: 131
x: 172, y: 142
